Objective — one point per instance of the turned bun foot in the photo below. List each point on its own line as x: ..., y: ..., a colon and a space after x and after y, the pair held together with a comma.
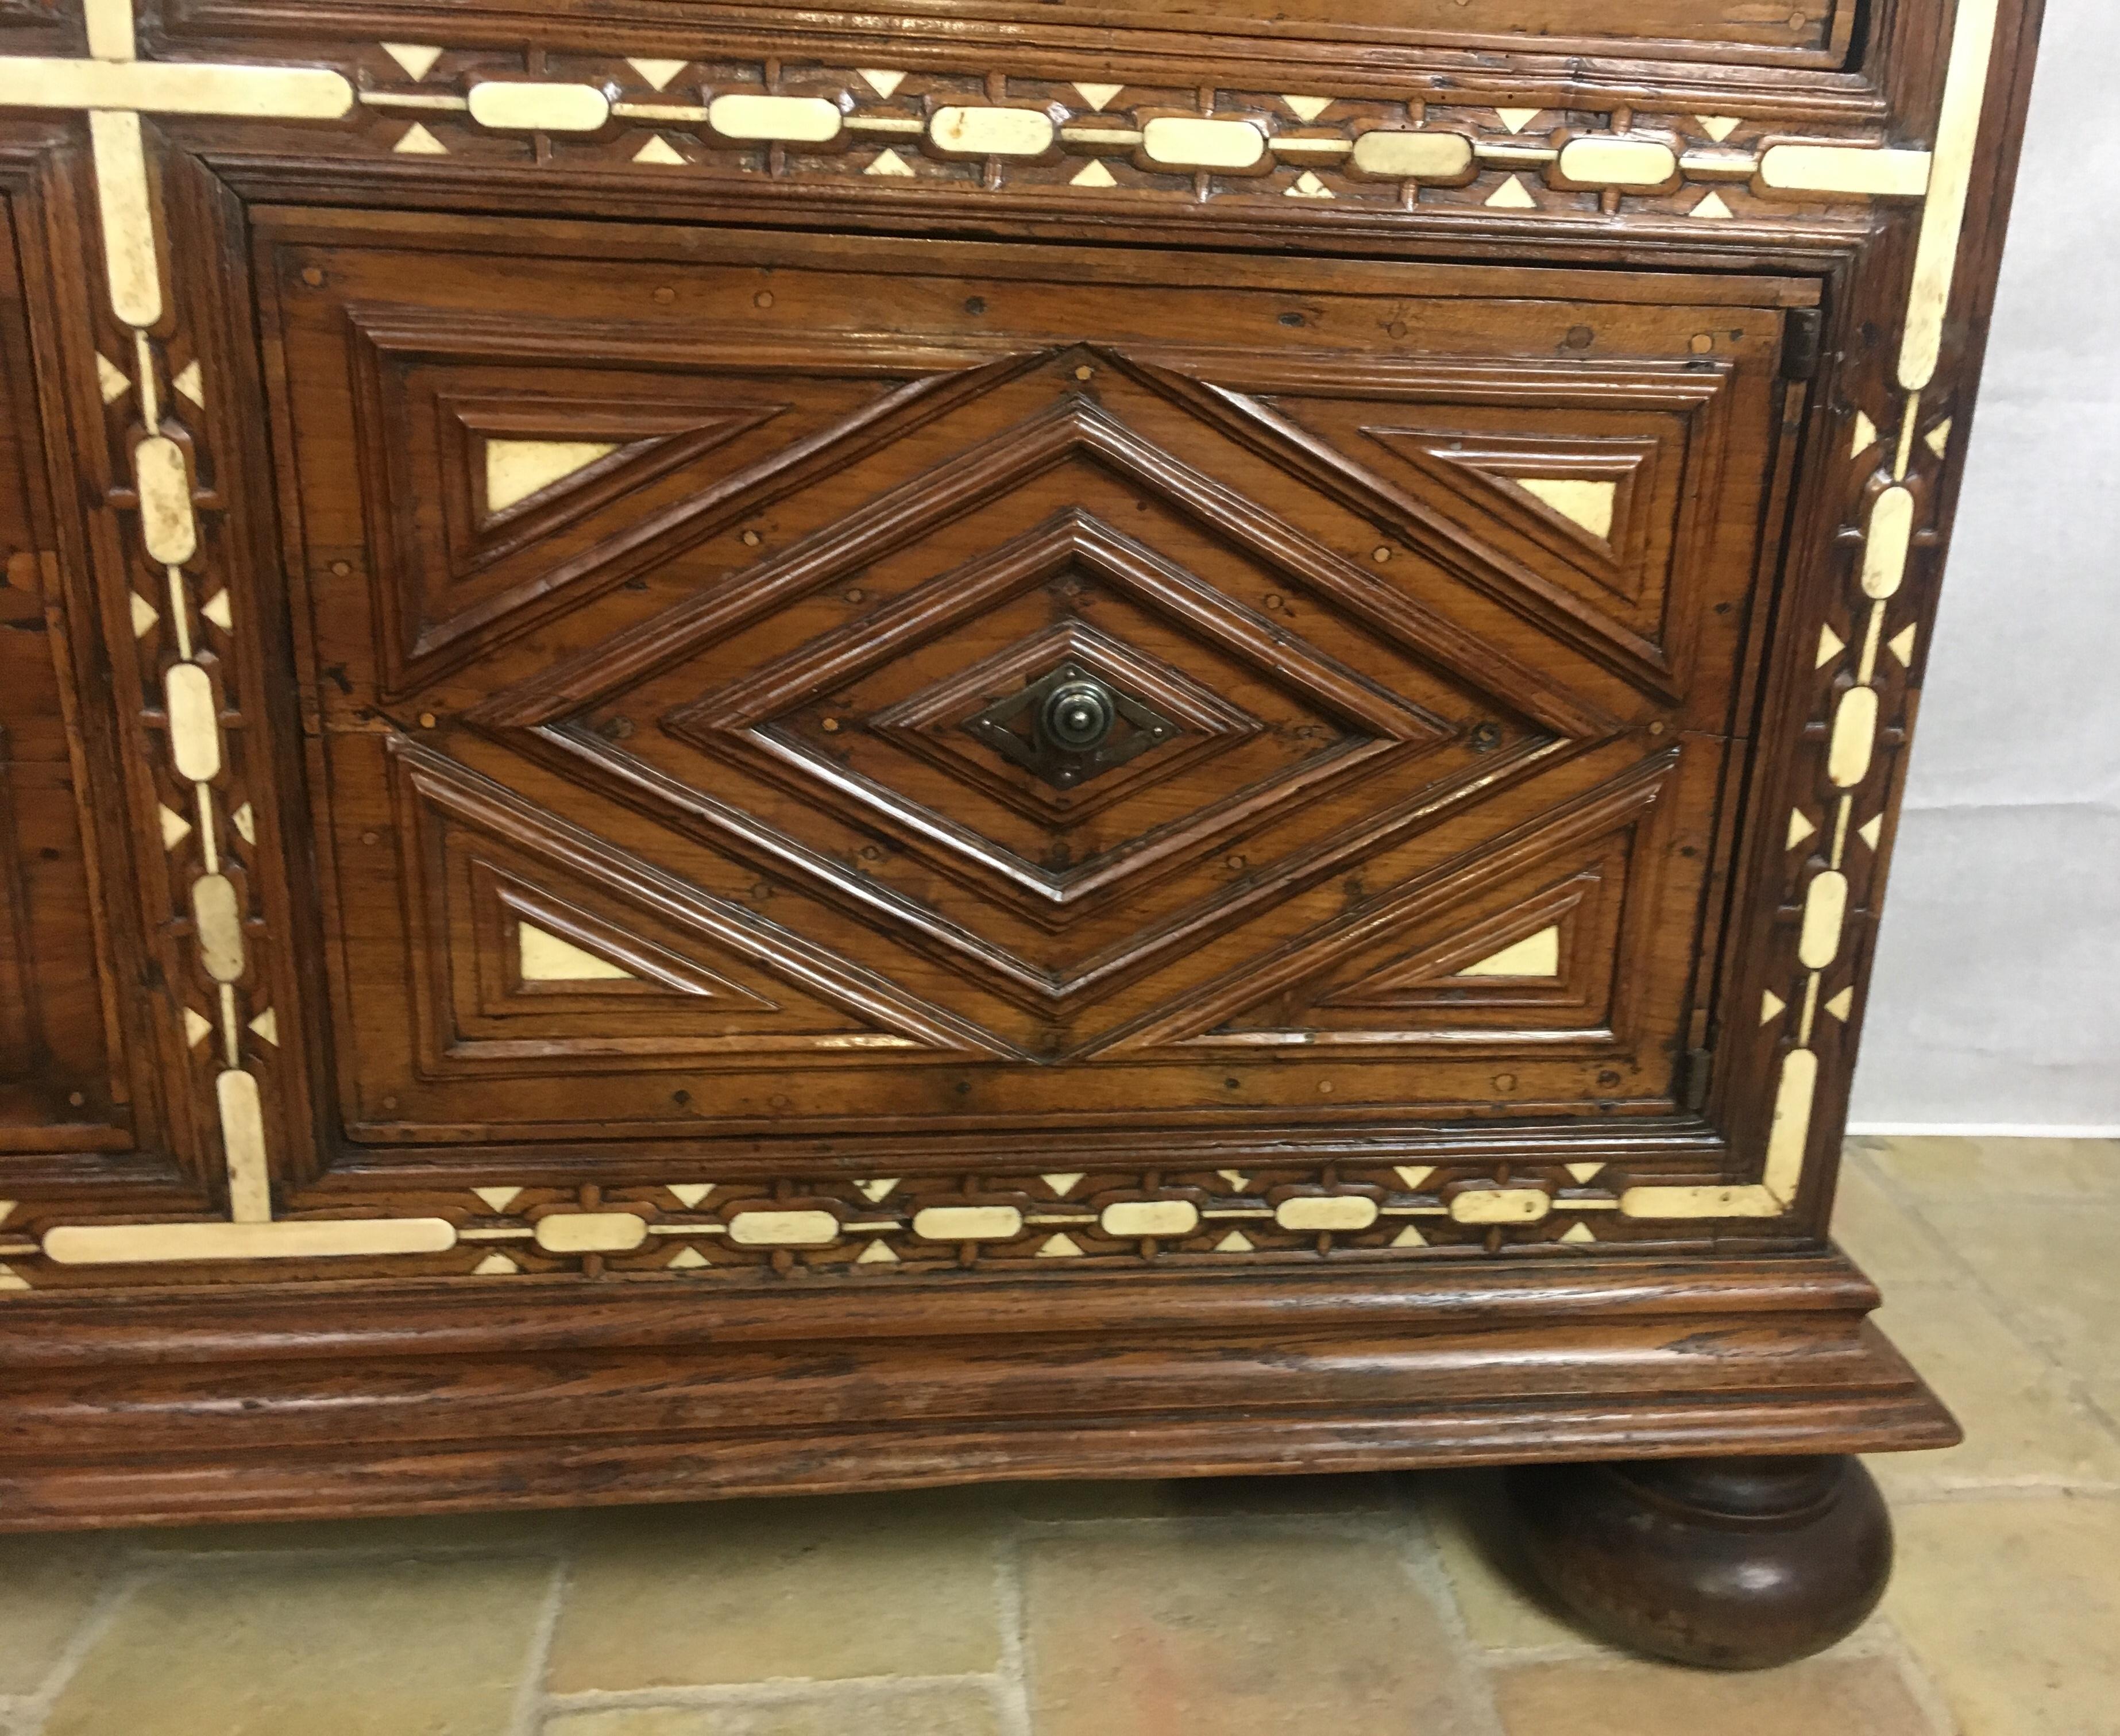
x: 1726, y: 1563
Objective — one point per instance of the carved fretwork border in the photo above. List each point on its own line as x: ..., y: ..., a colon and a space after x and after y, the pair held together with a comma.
x: 1893, y: 208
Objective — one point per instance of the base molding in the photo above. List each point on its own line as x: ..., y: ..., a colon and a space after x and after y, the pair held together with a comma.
x: 184, y: 1409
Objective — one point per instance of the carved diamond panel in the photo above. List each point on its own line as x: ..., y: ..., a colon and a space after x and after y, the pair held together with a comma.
x: 1067, y: 531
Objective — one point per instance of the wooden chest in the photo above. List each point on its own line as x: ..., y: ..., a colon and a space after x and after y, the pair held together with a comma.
x: 763, y: 748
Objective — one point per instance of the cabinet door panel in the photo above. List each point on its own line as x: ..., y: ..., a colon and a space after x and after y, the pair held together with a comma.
x: 682, y: 626
x: 1733, y: 29
x: 63, y: 1088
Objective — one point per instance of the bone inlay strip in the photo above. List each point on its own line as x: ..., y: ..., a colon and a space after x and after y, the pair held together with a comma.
x: 194, y: 725
x: 542, y: 108
x: 591, y: 1232
x: 808, y: 120
x: 1890, y: 535
x: 1854, y: 738
x: 1791, y: 1136
x: 129, y: 257
x: 217, y: 916
x: 1844, y: 169
x: 134, y: 1244
x: 166, y: 523
x: 1414, y: 156
x: 110, y: 34
x: 1722, y: 1202
x: 243, y: 1144
x: 1501, y: 1205
x: 993, y: 131
x: 174, y: 87
x: 783, y: 1229
x: 1950, y: 181
x: 1351, y: 1211
x: 1185, y: 142
x: 1146, y: 1218
x: 1618, y: 162
x: 968, y: 1223
x: 1825, y: 910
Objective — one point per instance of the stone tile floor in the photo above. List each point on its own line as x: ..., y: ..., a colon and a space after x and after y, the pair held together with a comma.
x: 1249, y: 1608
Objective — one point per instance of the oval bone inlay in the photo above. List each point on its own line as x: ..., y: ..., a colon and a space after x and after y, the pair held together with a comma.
x: 1187, y: 143
x: 1854, y: 738
x: 1349, y: 1212
x: 1414, y: 156
x: 993, y: 131
x: 795, y: 120
x: 968, y: 1223
x: 591, y: 1232
x: 538, y: 108
x: 783, y: 1229
x: 1884, y: 550
x: 1501, y: 1205
x: 217, y: 915
x: 1825, y: 910
x: 1138, y: 1218
x: 1617, y: 162
x: 166, y: 524
x: 194, y: 723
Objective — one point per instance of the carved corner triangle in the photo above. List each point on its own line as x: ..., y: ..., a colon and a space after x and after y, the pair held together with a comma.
x: 763, y: 968
x: 1575, y: 605
x: 1405, y: 962
x: 1588, y: 488
x: 1535, y: 943
x: 558, y: 948
x: 458, y: 581
x: 535, y: 456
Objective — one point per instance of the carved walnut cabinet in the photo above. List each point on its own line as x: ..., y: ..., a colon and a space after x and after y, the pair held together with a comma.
x: 760, y: 747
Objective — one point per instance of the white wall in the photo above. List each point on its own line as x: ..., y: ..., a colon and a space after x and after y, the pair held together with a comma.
x: 1995, y: 1003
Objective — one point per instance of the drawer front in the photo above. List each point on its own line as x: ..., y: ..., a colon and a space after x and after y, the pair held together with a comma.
x: 692, y: 619
x: 1651, y: 29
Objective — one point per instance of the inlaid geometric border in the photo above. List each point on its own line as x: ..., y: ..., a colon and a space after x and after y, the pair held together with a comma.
x: 773, y: 131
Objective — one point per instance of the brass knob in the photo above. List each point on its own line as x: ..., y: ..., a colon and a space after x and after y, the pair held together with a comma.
x: 1077, y: 716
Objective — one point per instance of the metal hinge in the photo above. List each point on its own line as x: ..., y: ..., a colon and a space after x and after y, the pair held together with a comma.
x: 1700, y: 1069
x: 1802, y: 336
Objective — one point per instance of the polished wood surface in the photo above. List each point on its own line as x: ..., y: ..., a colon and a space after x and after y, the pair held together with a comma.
x: 551, y: 947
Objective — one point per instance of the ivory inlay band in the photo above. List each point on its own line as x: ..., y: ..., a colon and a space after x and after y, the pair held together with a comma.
x: 1825, y: 911
x: 1138, y: 1218
x: 783, y: 1229
x: 1349, y: 1212
x: 1890, y: 536
x: 992, y: 132
x: 1618, y: 162
x: 1186, y: 143
x: 1414, y: 156
x: 968, y: 1223
x: 804, y: 120
x: 591, y: 1232
x: 507, y: 106
x: 1501, y: 1205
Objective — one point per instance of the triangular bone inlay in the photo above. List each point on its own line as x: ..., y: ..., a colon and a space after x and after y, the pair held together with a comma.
x: 1535, y: 955
x: 1587, y: 504
x: 517, y: 469
x: 547, y: 958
